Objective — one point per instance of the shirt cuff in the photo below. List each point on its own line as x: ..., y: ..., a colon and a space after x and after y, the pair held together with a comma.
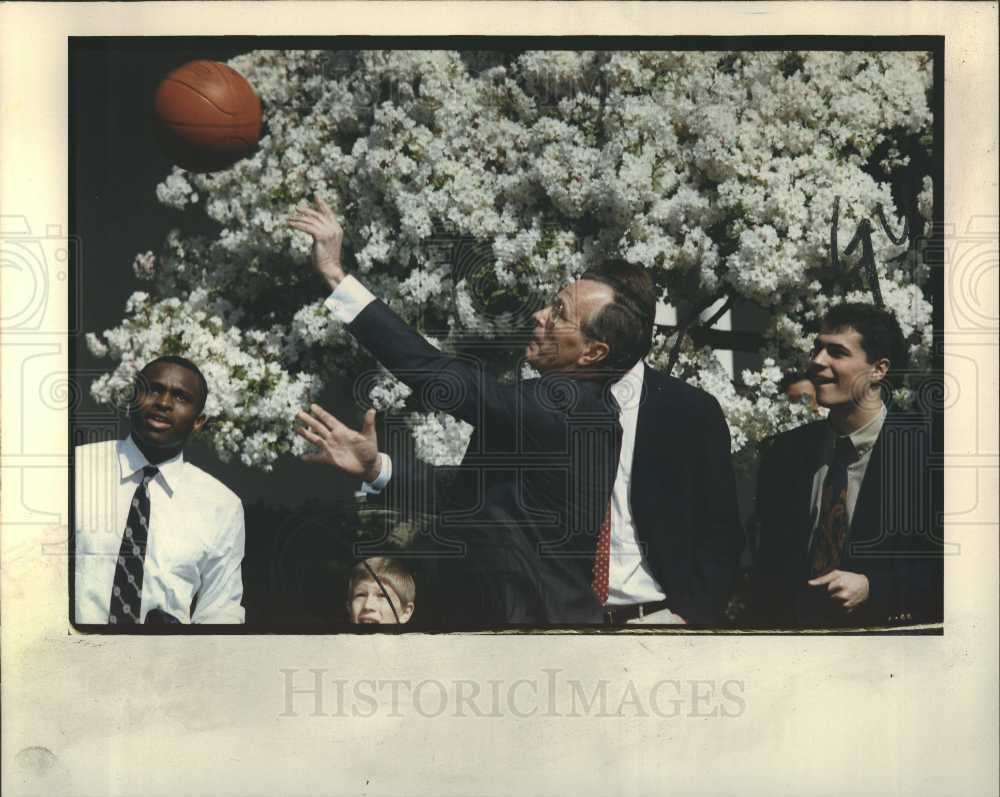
x: 377, y: 486
x: 348, y: 300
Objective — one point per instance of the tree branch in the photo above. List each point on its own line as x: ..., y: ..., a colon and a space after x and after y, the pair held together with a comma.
x: 690, y: 321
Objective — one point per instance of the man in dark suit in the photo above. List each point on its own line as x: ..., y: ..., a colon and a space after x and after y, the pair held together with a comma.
x: 644, y: 527
x: 847, y: 528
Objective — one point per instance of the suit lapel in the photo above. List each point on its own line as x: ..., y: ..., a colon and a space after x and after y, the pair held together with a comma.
x: 801, y: 483
x: 644, y: 423
x: 645, y: 476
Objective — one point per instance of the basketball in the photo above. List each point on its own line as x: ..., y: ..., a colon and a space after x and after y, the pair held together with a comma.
x: 207, y: 116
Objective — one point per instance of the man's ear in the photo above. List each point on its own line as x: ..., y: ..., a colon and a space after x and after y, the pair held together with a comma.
x: 199, y: 422
x: 880, y: 368
x: 597, y: 351
x: 406, y: 612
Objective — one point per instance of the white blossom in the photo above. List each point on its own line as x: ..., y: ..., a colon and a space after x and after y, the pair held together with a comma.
x: 440, y: 439
x: 716, y: 171
x: 144, y: 266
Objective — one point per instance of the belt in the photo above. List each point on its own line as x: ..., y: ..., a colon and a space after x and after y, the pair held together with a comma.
x: 619, y: 615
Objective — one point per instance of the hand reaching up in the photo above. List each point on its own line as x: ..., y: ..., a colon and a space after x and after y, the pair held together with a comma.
x: 328, y: 236
x: 354, y: 453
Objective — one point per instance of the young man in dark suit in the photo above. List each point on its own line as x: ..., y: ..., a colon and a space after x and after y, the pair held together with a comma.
x: 847, y: 531
x: 643, y: 529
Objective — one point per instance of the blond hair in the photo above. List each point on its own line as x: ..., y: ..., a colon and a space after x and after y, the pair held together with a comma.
x: 389, y: 571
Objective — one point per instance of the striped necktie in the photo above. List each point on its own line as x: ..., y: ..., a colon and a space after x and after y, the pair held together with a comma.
x: 126, y: 595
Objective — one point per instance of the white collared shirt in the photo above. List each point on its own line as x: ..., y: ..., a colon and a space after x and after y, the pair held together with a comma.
x: 629, y: 578
x: 194, y: 547
x: 863, y: 440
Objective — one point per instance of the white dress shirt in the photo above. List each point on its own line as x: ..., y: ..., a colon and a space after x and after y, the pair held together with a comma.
x: 629, y: 578
x: 863, y: 440
x: 194, y: 547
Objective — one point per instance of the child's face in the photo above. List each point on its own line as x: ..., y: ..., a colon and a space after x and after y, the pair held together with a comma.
x: 367, y: 604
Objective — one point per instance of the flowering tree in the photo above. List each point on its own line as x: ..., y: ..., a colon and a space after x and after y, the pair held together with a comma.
x: 472, y: 185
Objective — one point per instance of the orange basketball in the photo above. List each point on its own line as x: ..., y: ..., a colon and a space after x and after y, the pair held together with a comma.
x: 207, y: 116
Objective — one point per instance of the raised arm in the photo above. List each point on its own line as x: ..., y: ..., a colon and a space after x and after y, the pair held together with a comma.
x: 460, y: 386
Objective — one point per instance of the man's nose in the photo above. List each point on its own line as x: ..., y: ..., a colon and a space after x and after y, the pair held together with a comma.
x: 541, y: 317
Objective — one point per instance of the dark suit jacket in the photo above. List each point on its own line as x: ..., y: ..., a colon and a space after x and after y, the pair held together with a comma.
x: 894, y: 538
x: 683, y: 497
x: 517, y: 521
x: 683, y: 493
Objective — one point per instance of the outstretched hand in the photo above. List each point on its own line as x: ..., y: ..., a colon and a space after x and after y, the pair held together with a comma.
x: 321, y: 223
x: 354, y: 453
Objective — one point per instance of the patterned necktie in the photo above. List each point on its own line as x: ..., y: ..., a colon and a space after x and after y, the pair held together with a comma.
x: 602, y: 559
x: 126, y: 595
x: 833, y: 522
x: 602, y: 555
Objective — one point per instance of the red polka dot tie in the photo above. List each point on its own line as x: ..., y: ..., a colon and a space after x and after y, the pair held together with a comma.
x: 602, y: 559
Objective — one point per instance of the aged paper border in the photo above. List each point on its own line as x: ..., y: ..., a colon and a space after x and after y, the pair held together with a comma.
x: 687, y: 714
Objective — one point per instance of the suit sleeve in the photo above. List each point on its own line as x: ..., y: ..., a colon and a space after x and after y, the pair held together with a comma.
x: 415, y: 488
x: 769, y: 552
x: 920, y: 574
x: 463, y: 387
x: 441, y: 382
x: 414, y: 485
x: 906, y: 580
x: 719, y: 540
